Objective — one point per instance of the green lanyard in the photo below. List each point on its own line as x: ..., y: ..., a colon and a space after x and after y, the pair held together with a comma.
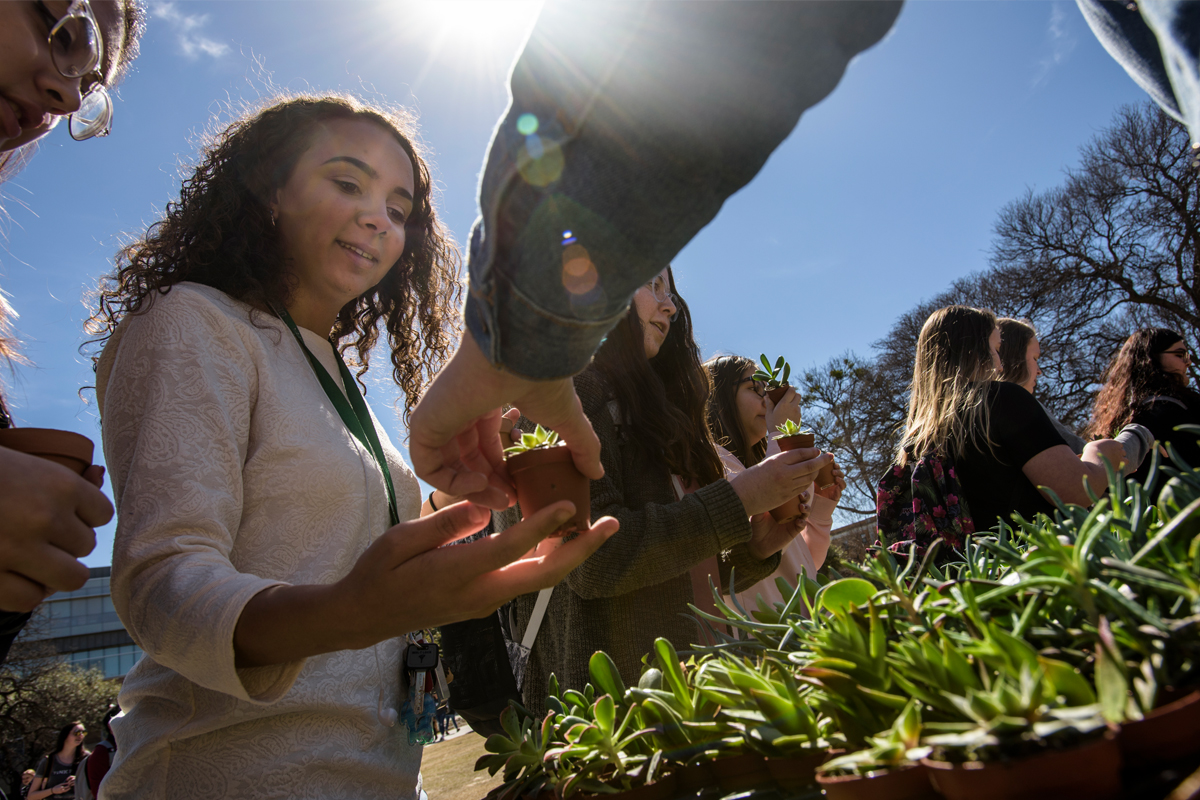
x: 353, y: 413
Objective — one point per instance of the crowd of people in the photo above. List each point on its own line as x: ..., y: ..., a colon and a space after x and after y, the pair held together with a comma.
x: 273, y: 556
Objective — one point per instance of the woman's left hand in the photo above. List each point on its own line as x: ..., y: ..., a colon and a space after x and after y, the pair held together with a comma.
x: 768, y: 537
x: 834, y: 491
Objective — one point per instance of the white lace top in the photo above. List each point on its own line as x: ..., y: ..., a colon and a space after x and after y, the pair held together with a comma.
x: 232, y: 472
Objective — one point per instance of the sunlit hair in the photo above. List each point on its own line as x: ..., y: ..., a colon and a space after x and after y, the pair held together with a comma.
x: 947, y: 407
x: 63, y: 734
x: 663, y: 399
x: 1015, y: 338
x: 1134, y: 375
x: 220, y: 234
x: 724, y: 421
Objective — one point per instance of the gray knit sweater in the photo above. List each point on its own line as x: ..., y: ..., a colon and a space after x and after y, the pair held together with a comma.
x: 636, y: 587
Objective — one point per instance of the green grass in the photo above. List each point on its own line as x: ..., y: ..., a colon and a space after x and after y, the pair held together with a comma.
x: 448, y: 769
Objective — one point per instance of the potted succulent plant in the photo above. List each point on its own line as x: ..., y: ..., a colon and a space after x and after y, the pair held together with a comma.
x: 544, y: 472
x: 889, y: 769
x: 71, y: 450
x: 792, y: 437
x: 774, y: 378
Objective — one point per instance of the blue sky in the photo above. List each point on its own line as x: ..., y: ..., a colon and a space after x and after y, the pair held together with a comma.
x: 885, y: 193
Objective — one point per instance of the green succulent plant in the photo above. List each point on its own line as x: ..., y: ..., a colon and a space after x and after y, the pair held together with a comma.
x: 775, y: 376
x: 790, y: 428
x: 538, y: 440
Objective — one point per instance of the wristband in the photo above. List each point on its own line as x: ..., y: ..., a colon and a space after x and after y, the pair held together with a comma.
x: 431, y: 505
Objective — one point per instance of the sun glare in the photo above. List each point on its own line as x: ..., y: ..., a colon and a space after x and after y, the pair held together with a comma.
x: 477, y: 23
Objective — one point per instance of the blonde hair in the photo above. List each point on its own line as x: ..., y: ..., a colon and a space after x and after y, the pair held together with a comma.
x: 947, y: 407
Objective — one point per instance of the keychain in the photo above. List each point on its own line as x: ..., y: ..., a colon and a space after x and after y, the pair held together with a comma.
x: 420, y: 709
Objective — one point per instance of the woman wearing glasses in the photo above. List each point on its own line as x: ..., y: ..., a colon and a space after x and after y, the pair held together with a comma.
x: 55, y: 774
x: 645, y: 395
x: 742, y: 420
x: 56, y: 58
x: 1149, y: 383
x: 264, y: 556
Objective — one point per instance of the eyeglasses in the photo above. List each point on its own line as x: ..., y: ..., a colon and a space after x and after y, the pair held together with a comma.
x: 79, y: 732
x: 1182, y: 352
x: 77, y: 49
x: 661, y: 291
x: 758, y: 387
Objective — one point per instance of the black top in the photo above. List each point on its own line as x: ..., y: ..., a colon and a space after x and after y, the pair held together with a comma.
x: 1161, y: 415
x: 992, y: 480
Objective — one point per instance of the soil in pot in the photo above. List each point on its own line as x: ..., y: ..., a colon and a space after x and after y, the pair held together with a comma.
x: 1168, y: 732
x: 796, y: 772
x: 71, y: 450
x: 1091, y: 771
x: 739, y: 773
x: 546, y: 476
x: 906, y: 783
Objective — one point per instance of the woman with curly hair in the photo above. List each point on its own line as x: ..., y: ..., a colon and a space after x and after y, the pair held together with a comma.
x: 1147, y: 383
x: 263, y: 559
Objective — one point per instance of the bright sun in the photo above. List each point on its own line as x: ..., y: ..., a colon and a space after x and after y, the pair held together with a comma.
x: 476, y: 23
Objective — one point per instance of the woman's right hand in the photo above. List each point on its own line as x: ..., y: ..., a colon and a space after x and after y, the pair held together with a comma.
x: 49, y: 514
x: 778, y: 478
x: 787, y: 408
x: 409, y: 580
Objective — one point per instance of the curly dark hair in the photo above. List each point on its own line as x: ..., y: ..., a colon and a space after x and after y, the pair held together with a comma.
x: 665, y: 397
x: 726, y: 374
x: 1132, y: 377
x: 220, y: 233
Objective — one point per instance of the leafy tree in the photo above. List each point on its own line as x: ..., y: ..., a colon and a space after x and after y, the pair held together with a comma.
x: 39, y: 694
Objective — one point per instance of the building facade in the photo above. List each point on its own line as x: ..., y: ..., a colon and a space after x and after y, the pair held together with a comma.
x: 84, y: 628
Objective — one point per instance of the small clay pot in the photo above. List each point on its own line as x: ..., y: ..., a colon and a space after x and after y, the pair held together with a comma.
x: 791, y: 508
x: 547, y: 475
x: 906, y: 783
x: 1168, y: 732
x: 796, y: 772
x: 825, y: 475
x: 71, y: 450
x: 740, y: 773
x: 1091, y: 771
x: 778, y: 392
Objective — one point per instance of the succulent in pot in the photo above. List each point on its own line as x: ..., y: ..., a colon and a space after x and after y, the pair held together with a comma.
x: 793, y: 437
x: 775, y: 378
x: 889, y: 769
x: 544, y: 472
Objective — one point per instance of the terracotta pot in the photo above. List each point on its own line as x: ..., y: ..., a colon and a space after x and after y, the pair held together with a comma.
x: 739, y: 773
x: 1168, y: 732
x: 1089, y: 772
x: 777, y: 393
x: 791, y: 508
x: 661, y: 789
x: 906, y: 783
x: 546, y: 476
x: 71, y: 450
x: 694, y: 777
x: 825, y: 475
x: 796, y: 772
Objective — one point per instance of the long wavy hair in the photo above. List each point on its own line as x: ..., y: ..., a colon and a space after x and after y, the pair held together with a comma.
x: 947, y: 407
x: 1015, y: 338
x: 663, y: 398
x: 1133, y: 376
x: 724, y: 422
x: 220, y: 234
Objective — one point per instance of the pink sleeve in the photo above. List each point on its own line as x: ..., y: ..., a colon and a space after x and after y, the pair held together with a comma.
x: 816, y: 532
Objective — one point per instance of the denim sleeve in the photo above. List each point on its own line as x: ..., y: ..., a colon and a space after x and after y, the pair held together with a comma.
x: 1158, y: 44
x: 629, y: 125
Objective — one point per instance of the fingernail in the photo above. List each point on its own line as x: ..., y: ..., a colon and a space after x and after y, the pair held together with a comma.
x: 562, y: 515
